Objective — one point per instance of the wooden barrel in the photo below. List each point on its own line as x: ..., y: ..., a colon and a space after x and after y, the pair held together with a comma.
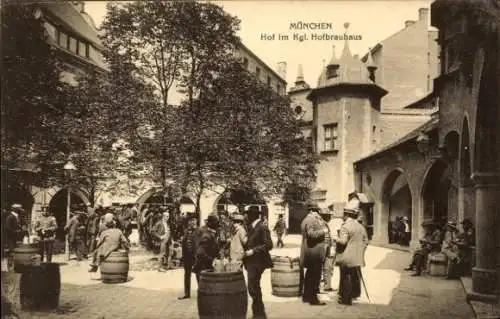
x: 25, y: 254
x: 40, y: 286
x: 438, y: 264
x: 114, y: 269
x: 222, y: 295
x: 285, y: 277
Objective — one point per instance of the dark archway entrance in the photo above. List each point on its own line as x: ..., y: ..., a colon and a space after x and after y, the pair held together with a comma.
x: 435, y: 193
x: 14, y: 193
x: 237, y: 199
x: 161, y: 198
x: 397, y: 206
x: 58, y: 208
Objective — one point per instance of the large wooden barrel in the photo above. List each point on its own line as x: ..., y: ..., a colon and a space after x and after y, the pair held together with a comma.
x: 438, y: 264
x: 25, y: 254
x: 285, y: 277
x: 222, y: 295
x: 40, y: 286
x: 114, y: 269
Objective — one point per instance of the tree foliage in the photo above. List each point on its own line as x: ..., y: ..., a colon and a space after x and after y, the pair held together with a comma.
x: 230, y: 130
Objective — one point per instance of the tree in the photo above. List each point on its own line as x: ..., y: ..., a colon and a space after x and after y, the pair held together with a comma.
x: 30, y: 83
x: 229, y: 130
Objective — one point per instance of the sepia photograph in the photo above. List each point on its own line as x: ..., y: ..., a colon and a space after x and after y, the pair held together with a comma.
x: 220, y: 159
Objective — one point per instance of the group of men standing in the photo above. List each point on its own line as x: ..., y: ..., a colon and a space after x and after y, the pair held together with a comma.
x: 248, y: 244
x: 326, y: 243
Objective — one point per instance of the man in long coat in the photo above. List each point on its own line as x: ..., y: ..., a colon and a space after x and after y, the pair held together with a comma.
x: 188, y: 253
x: 162, y: 237
x: 111, y: 239
x: 14, y: 231
x: 76, y: 233
x: 354, y: 240
x: 313, y: 253
x: 257, y: 259
x: 206, y: 245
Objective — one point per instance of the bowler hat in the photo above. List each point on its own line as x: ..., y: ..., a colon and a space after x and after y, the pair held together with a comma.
x: 212, y: 218
x: 238, y: 217
x: 253, y: 209
x: 313, y: 206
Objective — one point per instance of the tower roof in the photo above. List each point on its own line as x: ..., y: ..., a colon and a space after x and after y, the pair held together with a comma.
x: 300, y: 83
x: 350, y: 69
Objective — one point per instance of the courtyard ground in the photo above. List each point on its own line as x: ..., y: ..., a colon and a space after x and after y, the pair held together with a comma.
x: 150, y: 294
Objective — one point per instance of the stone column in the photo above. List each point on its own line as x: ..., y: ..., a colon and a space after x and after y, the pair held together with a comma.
x: 485, y: 279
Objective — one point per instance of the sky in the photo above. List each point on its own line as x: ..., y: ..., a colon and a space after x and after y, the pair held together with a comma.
x: 373, y: 20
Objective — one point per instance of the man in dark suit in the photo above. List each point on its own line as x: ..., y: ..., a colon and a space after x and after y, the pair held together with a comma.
x: 257, y: 258
x: 14, y: 231
x: 188, y: 253
x: 206, y: 245
x: 313, y: 253
x: 353, y: 241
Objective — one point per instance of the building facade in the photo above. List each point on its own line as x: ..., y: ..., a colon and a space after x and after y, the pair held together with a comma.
x: 452, y: 163
x: 407, y: 62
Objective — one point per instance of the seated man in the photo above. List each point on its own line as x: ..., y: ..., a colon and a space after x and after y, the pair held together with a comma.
x: 450, y: 249
x: 430, y: 242
x: 111, y: 239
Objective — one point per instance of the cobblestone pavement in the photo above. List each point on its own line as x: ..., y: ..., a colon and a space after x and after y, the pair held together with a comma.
x: 151, y: 294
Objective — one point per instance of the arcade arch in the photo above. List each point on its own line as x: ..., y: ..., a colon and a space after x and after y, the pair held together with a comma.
x: 435, y: 193
x: 396, y: 203
x: 157, y: 197
x: 238, y: 199
x: 58, y: 207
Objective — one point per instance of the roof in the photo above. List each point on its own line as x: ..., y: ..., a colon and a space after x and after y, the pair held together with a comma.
x: 428, y: 126
x: 70, y: 18
x: 371, y: 87
x: 269, y: 69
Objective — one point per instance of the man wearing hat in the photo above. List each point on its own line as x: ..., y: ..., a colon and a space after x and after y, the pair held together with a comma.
x: 75, y: 229
x: 450, y: 248
x: 313, y: 253
x: 334, y: 223
x: 430, y: 242
x: 110, y: 240
x: 238, y: 239
x: 206, y: 245
x: 257, y: 258
x: 353, y: 240
x: 188, y: 252
x: 14, y: 231
x: 280, y: 229
x: 46, y: 227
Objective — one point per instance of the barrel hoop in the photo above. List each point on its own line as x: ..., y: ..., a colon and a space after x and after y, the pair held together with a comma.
x: 438, y: 262
x: 285, y: 271
x: 116, y: 261
x: 285, y: 286
x: 218, y: 281
x: 207, y: 294
x: 114, y: 273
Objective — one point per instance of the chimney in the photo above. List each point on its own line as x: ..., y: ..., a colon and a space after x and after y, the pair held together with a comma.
x: 422, y: 14
x: 281, y: 69
x: 409, y: 23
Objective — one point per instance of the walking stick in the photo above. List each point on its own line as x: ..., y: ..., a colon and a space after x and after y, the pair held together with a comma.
x: 364, y: 285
